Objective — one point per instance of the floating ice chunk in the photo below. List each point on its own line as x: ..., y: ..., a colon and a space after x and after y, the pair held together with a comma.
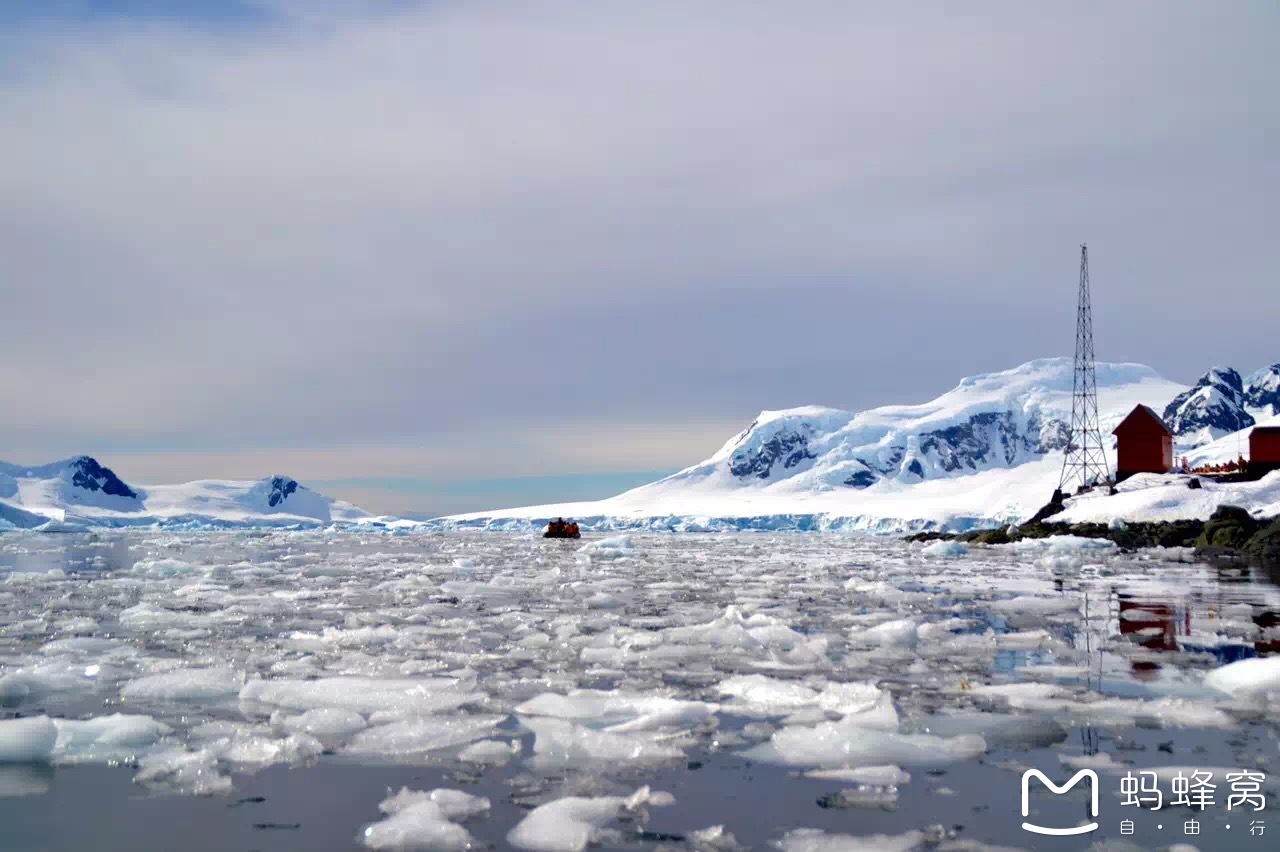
x: 455, y: 804
x: 490, y: 752
x: 253, y: 750
x: 418, y: 820
x: 35, y: 578
x: 880, y: 716
x: 844, y: 744
x: 945, y: 550
x: 145, y: 618
x: 1024, y: 640
x: 712, y: 839
x: 416, y: 736
x: 573, y: 823
x: 816, y: 840
x: 405, y: 696
x: 761, y: 696
x: 159, y: 569
x: 758, y: 695
x: 76, y: 625
x: 189, y: 685
x: 614, y: 547
x: 28, y: 740
x: 181, y: 771
x: 1035, y: 604
x: 1061, y: 544
x: 1000, y: 730
x: 604, y: 600
x: 620, y: 711
x: 1256, y: 679
x: 106, y: 738
x: 733, y: 629
x: 330, y: 725
x: 1100, y: 762
x: 899, y: 632
x: 336, y: 637
x: 28, y: 685
x: 89, y: 645
x: 561, y: 743
x: 942, y: 630
x: 1045, y: 697
x: 880, y: 776
x: 1168, y: 712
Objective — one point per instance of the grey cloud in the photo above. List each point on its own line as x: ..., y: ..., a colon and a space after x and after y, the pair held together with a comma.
x: 432, y: 221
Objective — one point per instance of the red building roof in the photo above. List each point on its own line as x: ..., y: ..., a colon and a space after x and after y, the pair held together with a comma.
x: 1141, y: 419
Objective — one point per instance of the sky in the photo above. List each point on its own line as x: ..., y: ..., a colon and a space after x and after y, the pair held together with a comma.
x: 446, y: 256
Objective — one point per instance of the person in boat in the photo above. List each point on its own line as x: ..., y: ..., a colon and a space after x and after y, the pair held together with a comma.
x: 571, y: 530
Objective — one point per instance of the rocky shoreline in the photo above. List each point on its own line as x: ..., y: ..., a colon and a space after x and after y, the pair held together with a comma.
x: 1231, y: 533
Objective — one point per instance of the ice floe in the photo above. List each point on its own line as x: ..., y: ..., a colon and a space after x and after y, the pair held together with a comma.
x: 425, y: 821
x: 400, y: 696
x: 1257, y: 679
x: 816, y: 840
x: 424, y: 734
x: 188, y: 685
x: 573, y: 823
x: 28, y: 740
x: 856, y: 664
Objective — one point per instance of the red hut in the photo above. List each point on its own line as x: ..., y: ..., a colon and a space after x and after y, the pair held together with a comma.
x: 1144, y: 444
x: 1264, y: 449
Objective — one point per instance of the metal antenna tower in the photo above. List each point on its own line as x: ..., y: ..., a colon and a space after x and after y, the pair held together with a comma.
x: 1086, y: 461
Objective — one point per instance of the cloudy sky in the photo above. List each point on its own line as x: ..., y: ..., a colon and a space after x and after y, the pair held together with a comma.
x: 442, y: 256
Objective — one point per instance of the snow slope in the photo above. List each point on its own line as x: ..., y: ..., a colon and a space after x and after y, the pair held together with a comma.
x: 987, y: 452
x: 1152, y: 497
x: 1229, y: 447
x: 79, y: 492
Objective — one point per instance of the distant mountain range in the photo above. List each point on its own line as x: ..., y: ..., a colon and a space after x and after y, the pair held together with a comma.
x: 988, y: 451
x: 81, y: 492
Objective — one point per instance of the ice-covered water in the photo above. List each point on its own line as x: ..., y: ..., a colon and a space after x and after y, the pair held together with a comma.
x: 313, y: 690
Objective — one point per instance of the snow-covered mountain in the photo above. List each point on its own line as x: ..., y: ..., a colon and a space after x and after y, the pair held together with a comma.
x: 988, y: 451
x: 79, y: 481
x: 1262, y: 393
x: 1210, y: 409
x: 80, y: 492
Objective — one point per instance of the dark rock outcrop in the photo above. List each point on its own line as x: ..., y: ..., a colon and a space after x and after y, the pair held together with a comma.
x: 788, y: 448
x: 281, y: 488
x: 1181, y: 533
x: 1264, y: 546
x: 88, y: 474
x: 1048, y: 510
x: 1228, y: 526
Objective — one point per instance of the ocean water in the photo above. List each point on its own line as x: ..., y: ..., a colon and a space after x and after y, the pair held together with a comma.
x: 269, y: 690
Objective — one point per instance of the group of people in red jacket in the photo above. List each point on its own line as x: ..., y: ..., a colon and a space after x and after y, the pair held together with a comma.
x: 560, y: 528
